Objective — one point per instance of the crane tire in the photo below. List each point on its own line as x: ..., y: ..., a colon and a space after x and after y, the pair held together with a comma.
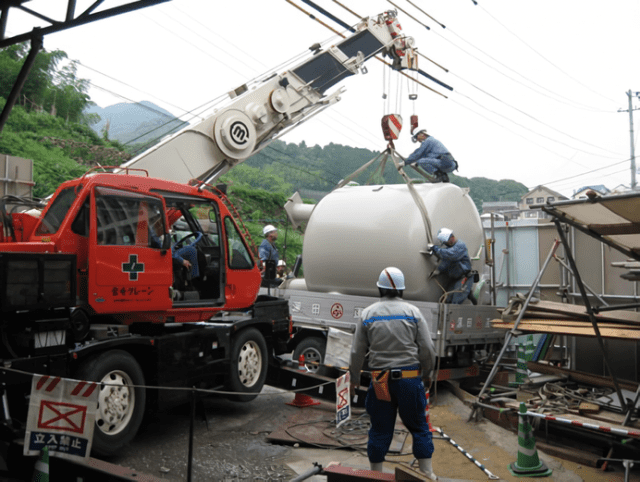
x: 249, y: 363
x: 121, y: 399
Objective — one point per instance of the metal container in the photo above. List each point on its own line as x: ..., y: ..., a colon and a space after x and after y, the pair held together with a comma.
x: 356, y: 231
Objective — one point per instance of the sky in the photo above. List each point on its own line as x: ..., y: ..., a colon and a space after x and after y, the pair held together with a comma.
x: 539, y: 87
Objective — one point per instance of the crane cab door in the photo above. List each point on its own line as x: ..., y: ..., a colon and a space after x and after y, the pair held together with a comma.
x: 129, y: 271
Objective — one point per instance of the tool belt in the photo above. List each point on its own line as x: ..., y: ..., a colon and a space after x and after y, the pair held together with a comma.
x: 380, y: 380
x: 472, y: 275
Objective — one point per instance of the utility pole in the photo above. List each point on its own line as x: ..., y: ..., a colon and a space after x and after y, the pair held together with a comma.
x: 630, y: 95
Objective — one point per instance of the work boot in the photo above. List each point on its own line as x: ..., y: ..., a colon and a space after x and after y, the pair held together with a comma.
x: 441, y: 176
x: 425, y: 468
x: 377, y: 466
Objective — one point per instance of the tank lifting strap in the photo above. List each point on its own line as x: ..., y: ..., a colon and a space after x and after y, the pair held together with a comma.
x: 414, y: 194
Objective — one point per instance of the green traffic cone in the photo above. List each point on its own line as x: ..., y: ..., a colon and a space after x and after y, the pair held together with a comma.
x: 528, y: 464
x: 530, y: 349
x: 41, y: 471
x: 521, y: 368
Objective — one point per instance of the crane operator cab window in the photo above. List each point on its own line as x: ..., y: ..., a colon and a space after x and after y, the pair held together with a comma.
x: 194, y: 239
x: 239, y: 257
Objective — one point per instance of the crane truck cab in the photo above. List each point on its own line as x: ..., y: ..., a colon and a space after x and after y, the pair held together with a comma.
x: 108, y: 222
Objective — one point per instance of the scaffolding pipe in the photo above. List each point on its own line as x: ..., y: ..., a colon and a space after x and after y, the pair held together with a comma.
x: 592, y: 318
x: 511, y: 332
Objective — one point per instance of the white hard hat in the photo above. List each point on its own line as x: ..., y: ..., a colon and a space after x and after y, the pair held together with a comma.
x: 268, y: 228
x: 281, y: 263
x: 444, y: 234
x: 391, y: 279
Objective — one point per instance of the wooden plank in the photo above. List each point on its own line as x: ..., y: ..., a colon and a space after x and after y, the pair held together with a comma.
x: 580, y: 311
x: 581, y: 377
x: 623, y: 333
x: 576, y: 323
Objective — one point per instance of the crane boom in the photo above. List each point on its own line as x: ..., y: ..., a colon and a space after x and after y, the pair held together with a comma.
x: 256, y: 114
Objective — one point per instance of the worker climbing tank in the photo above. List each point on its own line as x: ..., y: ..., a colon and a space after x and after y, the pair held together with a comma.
x: 355, y: 231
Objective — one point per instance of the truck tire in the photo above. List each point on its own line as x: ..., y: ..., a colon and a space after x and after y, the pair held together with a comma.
x: 120, y: 407
x: 248, y: 364
x: 313, y: 349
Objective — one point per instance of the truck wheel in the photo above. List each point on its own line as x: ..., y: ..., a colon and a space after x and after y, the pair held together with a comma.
x: 313, y: 350
x: 248, y: 364
x: 121, y: 399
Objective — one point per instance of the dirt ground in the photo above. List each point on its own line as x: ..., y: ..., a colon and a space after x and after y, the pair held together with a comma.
x: 230, y: 444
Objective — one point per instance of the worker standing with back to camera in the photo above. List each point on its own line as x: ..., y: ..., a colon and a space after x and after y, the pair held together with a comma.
x: 432, y: 156
x: 400, y: 355
x: 455, y: 263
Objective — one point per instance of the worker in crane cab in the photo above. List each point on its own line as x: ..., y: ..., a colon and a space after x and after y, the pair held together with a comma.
x: 455, y: 264
x: 268, y: 252
x: 432, y: 156
x: 395, y: 338
x: 186, y: 256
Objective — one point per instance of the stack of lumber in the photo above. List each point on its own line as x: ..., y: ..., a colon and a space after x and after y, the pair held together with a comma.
x: 565, y: 319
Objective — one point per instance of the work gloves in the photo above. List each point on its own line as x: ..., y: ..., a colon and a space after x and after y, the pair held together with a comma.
x: 430, y: 249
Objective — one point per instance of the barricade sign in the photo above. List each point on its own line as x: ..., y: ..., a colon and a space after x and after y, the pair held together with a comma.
x: 61, y: 417
x: 343, y: 401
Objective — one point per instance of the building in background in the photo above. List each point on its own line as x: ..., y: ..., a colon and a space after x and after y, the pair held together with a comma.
x: 581, y: 193
x: 538, y: 195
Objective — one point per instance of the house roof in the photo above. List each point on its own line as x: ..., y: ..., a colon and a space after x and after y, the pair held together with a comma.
x: 601, y: 188
x: 555, y: 194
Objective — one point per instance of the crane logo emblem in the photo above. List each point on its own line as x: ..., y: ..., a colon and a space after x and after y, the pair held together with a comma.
x: 239, y: 132
x: 337, y: 310
x: 133, y: 267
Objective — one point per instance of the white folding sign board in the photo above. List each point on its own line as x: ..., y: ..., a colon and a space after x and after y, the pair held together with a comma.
x: 61, y: 416
x: 343, y: 402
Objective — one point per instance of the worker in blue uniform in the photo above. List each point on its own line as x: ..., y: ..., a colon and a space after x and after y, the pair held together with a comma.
x: 267, y: 249
x: 454, y: 263
x: 432, y: 156
x: 401, y: 357
x: 186, y: 256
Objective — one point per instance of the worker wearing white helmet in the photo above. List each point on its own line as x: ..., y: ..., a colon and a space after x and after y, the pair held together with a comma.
x: 267, y: 250
x: 401, y: 357
x: 432, y: 156
x: 455, y: 264
x: 281, y: 269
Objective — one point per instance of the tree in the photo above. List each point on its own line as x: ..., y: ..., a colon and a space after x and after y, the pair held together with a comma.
x: 51, y: 86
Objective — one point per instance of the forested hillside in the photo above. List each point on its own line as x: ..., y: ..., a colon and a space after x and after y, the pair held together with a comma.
x: 316, y: 170
x: 51, y: 125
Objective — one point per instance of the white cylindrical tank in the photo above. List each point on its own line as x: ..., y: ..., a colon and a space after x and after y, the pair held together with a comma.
x: 356, y: 231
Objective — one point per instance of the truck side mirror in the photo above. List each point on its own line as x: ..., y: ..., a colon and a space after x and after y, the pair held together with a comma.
x: 166, y: 243
x: 270, y: 269
x: 296, y: 266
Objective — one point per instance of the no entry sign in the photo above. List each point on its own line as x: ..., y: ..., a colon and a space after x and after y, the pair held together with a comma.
x: 61, y: 417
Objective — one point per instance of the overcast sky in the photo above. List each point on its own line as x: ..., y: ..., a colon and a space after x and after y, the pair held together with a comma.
x: 538, y: 85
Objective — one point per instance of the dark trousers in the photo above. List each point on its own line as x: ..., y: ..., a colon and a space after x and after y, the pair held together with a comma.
x: 407, y: 399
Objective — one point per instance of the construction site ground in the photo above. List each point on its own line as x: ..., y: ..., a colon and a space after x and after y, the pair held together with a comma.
x: 235, y: 442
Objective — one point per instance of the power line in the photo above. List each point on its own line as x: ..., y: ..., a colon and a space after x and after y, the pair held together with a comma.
x: 530, y: 116
x: 573, y: 176
x: 568, y: 102
x: 542, y: 56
